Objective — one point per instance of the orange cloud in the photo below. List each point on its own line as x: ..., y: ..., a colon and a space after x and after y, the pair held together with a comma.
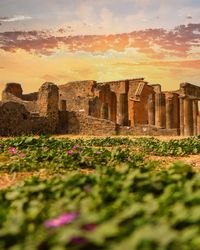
x: 158, y: 55
x: 155, y: 43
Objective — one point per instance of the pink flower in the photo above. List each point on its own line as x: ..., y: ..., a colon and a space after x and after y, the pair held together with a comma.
x: 61, y: 220
x: 70, y: 152
x: 76, y: 146
x: 12, y: 150
x: 78, y: 240
x: 22, y: 155
x: 98, y: 152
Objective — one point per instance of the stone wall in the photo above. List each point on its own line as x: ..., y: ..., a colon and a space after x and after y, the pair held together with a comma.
x: 30, y: 97
x: 13, y: 92
x: 141, y: 106
x: 48, y: 104
x: 14, y: 89
x: 18, y: 116
x: 16, y: 120
x: 13, y: 118
x: 104, y: 105
x: 189, y: 97
x: 78, y: 123
x: 87, y: 107
x: 147, y: 130
x: 77, y: 95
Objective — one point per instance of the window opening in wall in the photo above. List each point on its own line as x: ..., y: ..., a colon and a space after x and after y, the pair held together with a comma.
x: 24, y: 116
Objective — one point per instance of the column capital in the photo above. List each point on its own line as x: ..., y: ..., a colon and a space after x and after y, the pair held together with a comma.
x: 169, y: 95
x: 188, y: 97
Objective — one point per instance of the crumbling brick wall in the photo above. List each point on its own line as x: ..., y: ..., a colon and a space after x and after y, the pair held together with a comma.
x: 89, y: 107
x: 16, y: 120
x: 13, y: 92
x: 18, y: 117
x: 14, y: 89
x: 77, y: 95
x: 48, y: 98
x: 78, y: 123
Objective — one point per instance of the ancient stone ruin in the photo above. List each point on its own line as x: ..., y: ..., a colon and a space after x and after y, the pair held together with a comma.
x: 87, y: 107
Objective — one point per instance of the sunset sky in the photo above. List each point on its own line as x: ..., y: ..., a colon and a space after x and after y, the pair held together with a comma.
x: 68, y: 40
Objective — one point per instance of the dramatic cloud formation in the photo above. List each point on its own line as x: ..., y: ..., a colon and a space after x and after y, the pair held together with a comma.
x: 155, y: 43
x: 62, y: 41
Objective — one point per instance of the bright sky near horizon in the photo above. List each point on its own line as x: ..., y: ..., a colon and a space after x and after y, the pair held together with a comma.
x: 68, y: 40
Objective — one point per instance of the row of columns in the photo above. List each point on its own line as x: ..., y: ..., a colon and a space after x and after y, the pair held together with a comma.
x: 169, y: 111
x: 156, y: 107
x: 189, y: 119
x: 161, y: 113
x: 122, y: 109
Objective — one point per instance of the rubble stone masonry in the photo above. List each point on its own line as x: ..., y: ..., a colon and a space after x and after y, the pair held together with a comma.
x: 130, y: 106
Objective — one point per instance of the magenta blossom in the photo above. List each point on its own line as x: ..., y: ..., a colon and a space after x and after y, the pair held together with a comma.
x: 61, y: 220
x: 89, y: 227
x: 12, y: 150
x: 76, y: 146
x: 70, y: 152
x: 22, y: 155
x: 78, y: 240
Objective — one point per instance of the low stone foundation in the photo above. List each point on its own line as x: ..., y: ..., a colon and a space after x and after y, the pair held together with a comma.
x: 77, y: 123
x: 147, y: 130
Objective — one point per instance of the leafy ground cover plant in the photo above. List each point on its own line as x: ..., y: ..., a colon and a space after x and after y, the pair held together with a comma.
x: 31, y: 154
x: 124, y: 203
x: 58, y: 156
x: 124, y: 208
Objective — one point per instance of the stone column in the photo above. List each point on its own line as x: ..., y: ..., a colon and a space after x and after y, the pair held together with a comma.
x: 119, y: 115
x: 109, y: 112
x: 151, y: 110
x: 113, y: 107
x: 122, y: 109
x: 169, y: 111
x: 195, y: 113
x: 198, y: 124
x: 158, y: 110
x: 181, y: 112
x: 104, y: 111
x: 188, y: 117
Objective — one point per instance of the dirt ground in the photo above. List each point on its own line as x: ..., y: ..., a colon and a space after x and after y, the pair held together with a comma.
x: 193, y: 160
x: 85, y: 137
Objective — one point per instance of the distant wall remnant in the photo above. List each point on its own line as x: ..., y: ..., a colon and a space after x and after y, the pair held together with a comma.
x: 48, y: 103
x: 130, y: 106
x: 13, y: 89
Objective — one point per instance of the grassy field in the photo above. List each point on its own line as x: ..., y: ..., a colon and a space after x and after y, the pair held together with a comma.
x: 99, y: 193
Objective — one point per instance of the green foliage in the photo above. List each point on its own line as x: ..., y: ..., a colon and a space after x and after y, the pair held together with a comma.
x: 190, y: 145
x: 64, y: 155
x: 59, y: 156
x: 130, y: 208
x: 124, y: 203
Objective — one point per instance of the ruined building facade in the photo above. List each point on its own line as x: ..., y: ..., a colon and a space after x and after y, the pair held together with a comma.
x: 87, y: 107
